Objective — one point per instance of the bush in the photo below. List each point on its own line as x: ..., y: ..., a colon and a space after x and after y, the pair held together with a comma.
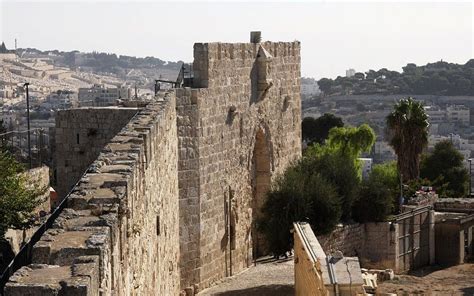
x: 319, y: 189
x: 298, y: 196
x: 339, y: 170
x: 445, y: 169
x: 18, y: 196
x: 378, y: 195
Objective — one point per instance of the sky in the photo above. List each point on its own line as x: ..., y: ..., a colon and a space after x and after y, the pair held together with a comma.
x: 335, y: 36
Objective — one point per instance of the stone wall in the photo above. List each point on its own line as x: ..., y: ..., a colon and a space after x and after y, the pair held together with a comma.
x: 308, y: 269
x: 381, y: 246
x: 80, y: 135
x: 119, y: 234
x: 349, y: 239
x: 238, y: 129
x: 319, y: 274
x: 373, y: 243
x: 40, y: 178
x: 457, y: 205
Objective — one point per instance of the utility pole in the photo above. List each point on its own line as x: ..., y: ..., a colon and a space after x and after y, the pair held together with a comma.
x: 28, y: 122
x: 157, y: 86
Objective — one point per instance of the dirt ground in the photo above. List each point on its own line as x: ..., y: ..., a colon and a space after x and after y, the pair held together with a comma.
x: 270, y: 277
x: 433, y: 281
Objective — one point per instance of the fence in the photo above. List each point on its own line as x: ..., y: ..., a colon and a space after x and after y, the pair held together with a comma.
x: 24, y: 257
x: 17, y: 143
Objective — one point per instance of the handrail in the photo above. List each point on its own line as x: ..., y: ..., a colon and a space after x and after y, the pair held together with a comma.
x: 24, y: 256
x: 415, y: 211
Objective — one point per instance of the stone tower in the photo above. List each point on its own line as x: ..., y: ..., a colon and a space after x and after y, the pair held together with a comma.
x: 239, y: 126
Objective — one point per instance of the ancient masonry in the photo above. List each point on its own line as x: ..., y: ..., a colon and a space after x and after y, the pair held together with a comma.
x: 119, y: 234
x: 170, y: 203
x: 80, y: 135
x: 239, y: 127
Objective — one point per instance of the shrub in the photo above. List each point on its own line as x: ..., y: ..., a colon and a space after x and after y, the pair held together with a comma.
x: 298, y: 196
x: 378, y: 195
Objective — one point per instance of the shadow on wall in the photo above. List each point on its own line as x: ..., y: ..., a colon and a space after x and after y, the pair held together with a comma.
x: 6, y: 254
x: 466, y: 291
x: 253, y: 83
x: 269, y: 290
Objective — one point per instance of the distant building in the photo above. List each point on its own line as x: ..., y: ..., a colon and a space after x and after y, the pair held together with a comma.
x: 350, y: 72
x: 382, y: 147
x: 464, y: 146
x: 6, y: 91
x: 366, y: 167
x: 436, y: 114
x: 98, y: 95
x: 310, y: 89
x: 458, y: 113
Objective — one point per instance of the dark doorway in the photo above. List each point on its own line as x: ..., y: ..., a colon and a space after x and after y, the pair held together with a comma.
x: 261, y: 183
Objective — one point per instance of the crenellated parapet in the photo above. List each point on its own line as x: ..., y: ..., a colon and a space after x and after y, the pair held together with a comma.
x: 118, y: 234
x: 239, y: 127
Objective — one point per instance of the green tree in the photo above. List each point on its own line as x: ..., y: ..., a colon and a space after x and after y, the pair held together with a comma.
x: 4, y: 138
x: 462, y: 86
x: 359, y: 76
x: 317, y: 130
x: 2, y: 127
x: 378, y: 195
x: 325, y: 85
x: 408, y: 133
x: 445, y: 167
x: 352, y: 141
x: 338, y: 161
x: 18, y: 196
x: 320, y: 188
x: 298, y: 195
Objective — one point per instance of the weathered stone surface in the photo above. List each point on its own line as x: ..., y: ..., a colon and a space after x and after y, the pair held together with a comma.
x: 187, y: 174
x: 123, y: 211
x: 236, y: 133
x: 79, y: 278
x: 80, y: 135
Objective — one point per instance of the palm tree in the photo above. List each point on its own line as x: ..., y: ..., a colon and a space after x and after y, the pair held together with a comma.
x: 408, y: 132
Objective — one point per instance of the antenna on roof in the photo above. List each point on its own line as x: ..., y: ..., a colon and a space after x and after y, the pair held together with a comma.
x: 15, y: 45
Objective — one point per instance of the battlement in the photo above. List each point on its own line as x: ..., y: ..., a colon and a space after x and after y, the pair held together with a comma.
x: 238, y: 128
x: 123, y: 212
x: 80, y: 135
x: 218, y: 64
x: 171, y: 200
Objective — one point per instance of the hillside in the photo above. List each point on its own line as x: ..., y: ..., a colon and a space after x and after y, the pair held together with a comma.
x: 99, y: 62
x: 52, y: 70
x: 439, y: 78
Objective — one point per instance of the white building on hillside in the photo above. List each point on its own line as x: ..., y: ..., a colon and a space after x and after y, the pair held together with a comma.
x: 436, y: 114
x: 350, y: 72
x: 310, y: 89
x: 366, y: 166
x: 98, y: 95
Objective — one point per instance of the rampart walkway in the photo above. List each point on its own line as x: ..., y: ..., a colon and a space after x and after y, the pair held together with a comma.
x: 269, y: 277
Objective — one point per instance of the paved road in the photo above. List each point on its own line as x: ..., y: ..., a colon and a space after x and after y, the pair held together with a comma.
x: 268, y: 278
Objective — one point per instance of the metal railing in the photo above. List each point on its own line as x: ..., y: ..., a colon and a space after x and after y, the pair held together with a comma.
x: 24, y: 256
x: 16, y: 142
